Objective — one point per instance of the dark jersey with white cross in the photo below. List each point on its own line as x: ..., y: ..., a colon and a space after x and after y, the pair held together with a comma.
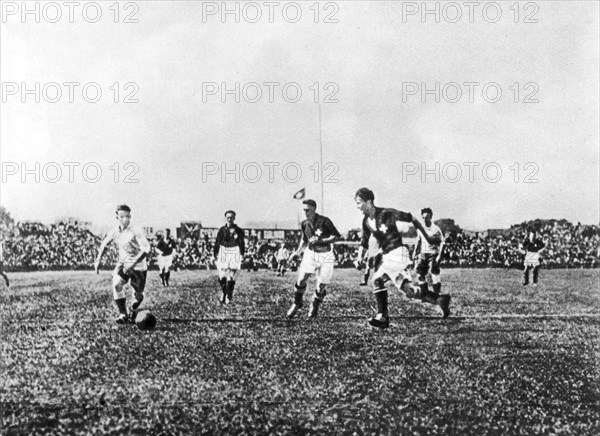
x: 322, y: 228
x: 384, y: 228
x: 533, y: 246
x: 230, y: 237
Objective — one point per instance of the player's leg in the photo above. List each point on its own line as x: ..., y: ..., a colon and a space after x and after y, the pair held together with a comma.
x: 230, y: 283
x: 536, y: 270
x: 222, y: 277
x: 380, y: 292
x: 167, y: 269
x: 161, y: 268
x: 307, y: 268
x: 324, y: 274
x: 422, y: 270
x: 118, y: 285
x: 138, y: 283
x: 234, y: 260
x: 526, y: 274
x: 367, y: 273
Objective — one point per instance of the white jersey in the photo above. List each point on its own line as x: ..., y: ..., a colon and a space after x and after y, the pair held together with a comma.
x: 130, y: 243
x: 432, y: 231
x: 283, y: 254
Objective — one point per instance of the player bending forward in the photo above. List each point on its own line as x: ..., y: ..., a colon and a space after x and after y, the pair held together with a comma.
x: 395, y: 260
x: 229, y: 251
x: 429, y: 255
x: 133, y: 248
x: 318, y: 235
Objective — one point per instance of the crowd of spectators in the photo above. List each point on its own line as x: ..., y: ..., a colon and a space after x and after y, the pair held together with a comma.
x: 566, y: 246
x: 35, y: 246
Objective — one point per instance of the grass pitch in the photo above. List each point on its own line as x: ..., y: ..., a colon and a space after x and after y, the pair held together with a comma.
x: 509, y: 360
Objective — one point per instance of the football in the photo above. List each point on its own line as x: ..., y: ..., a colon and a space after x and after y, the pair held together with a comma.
x: 144, y: 320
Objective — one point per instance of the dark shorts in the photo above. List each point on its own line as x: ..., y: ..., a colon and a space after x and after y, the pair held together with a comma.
x: 283, y: 263
x: 426, y: 260
x: 136, y: 278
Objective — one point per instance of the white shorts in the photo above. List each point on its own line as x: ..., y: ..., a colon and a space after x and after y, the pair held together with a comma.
x: 164, y: 261
x: 320, y: 264
x: 532, y: 259
x: 229, y: 258
x: 396, y: 265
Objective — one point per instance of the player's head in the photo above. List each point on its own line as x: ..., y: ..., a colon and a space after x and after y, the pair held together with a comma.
x: 364, y: 198
x: 427, y: 214
x: 531, y: 232
x: 310, y: 208
x: 159, y: 235
x: 230, y: 216
x: 123, y: 215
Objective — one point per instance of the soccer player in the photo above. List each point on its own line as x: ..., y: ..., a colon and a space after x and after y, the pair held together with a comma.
x: 318, y: 235
x: 395, y: 258
x: 532, y: 246
x: 165, y: 247
x: 282, y: 256
x: 133, y: 248
x: 429, y: 255
x: 228, y: 252
x: 2, y: 273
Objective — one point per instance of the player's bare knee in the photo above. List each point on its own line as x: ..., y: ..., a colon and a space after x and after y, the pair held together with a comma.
x: 435, y: 279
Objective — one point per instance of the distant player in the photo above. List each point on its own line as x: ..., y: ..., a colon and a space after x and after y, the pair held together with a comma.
x: 165, y: 245
x: 532, y: 246
x: 228, y: 251
x: 133, y: 248
x: 318, y: 235
x: 395, y: 259
x: 283, y: 254
x: 2, y: 273
x: 428, y: 256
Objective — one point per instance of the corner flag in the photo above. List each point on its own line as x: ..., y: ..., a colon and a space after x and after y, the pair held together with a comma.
x: 300, y: 194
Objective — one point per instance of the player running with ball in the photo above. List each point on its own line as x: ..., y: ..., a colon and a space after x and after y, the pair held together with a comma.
x: 395, y: 260
x: 133, y: 248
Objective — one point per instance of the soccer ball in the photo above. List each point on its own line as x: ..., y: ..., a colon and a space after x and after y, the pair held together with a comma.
x: 145, y: 320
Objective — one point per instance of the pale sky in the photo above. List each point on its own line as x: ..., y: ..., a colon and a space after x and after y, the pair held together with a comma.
x: 375, y: 135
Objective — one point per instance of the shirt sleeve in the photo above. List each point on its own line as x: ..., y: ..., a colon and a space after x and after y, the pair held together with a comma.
x: 218, y: 242
x: 331, y: 228
x: 366, y: 233
x: 402, y: 216
x: 241, y: 241
x: 304, y: 237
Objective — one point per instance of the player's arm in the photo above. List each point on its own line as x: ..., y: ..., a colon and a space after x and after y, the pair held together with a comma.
x: 415, y: 222
x: 442, y: 245
x: 103, y: 245
x: 364, y: 244
x: 241, y: 241
x: 301, y: 245
x: 218, y: 240
x: 417, y: 247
